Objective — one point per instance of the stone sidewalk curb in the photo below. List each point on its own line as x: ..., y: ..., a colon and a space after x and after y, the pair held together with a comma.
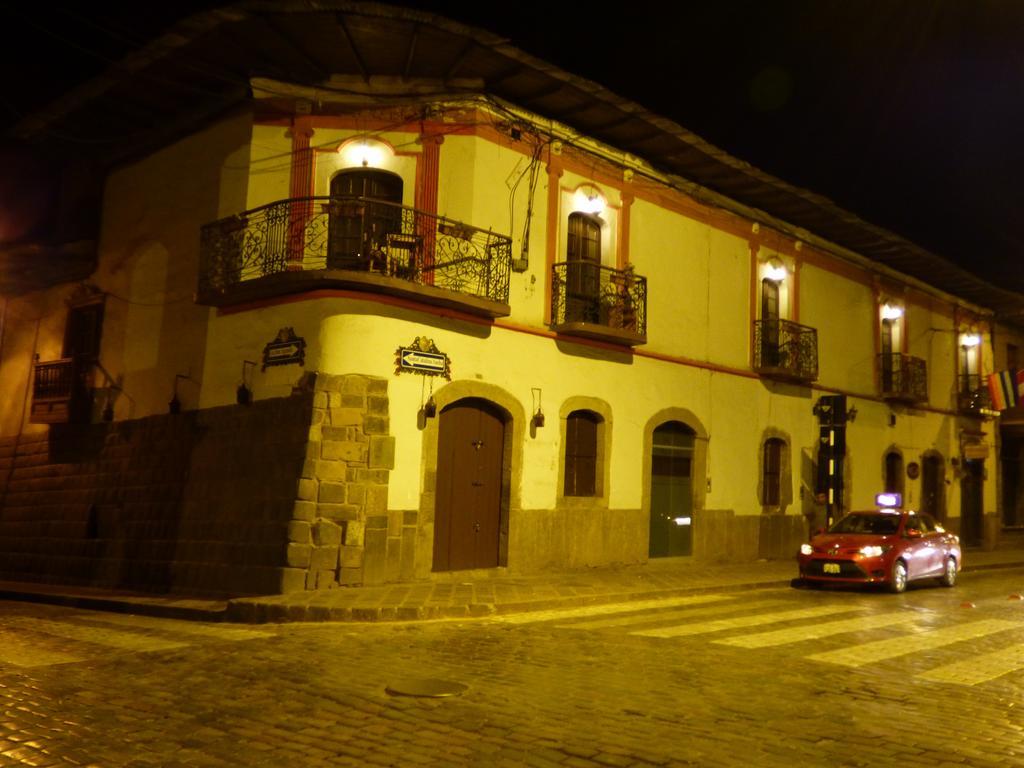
x: 317, y: 607
x: 184, y: 608
x: 254, y: 611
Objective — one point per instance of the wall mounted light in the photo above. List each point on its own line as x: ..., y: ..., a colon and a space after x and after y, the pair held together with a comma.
x: 538, y: 413
x: 775, y: 272
x: 969, y: 340
x: 363, y: 152
x: 891, y: 312
x: 174, y: 406
x: 588, y: 199
x: 243, y: 395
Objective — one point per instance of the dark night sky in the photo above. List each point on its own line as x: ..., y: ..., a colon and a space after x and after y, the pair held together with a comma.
x: 910, y: 113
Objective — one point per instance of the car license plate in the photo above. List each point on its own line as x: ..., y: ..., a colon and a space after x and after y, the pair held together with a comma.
x: 831, y: 568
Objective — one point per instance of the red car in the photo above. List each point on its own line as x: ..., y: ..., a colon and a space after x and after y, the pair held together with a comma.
x: 889, y: 547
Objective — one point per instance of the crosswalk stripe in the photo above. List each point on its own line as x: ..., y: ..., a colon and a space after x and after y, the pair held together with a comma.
x: 979, y: 669
x: 175, y: 626
x: 880, y: 650
x: 24, y: 652
x: 113, y: 638
x: 817, y: 631
x: 740, y: 622
x: 669, y: 616
x: 603, y: 610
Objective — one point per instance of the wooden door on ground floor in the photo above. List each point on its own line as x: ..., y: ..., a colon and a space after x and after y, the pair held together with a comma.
x: 470, y: 450
x: 671, y: 531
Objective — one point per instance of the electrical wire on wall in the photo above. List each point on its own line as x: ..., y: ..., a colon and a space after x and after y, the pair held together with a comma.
x: 532, y: 171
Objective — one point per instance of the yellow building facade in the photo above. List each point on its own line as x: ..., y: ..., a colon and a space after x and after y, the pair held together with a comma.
x: 507, y: 347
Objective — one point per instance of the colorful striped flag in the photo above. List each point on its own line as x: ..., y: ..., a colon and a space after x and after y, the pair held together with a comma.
x: 1005, y: 389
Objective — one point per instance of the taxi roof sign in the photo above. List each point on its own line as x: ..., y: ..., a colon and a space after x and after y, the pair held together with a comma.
x: 889, y: 499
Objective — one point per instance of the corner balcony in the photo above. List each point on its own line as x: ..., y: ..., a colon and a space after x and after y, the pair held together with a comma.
x: 785, y: 350
x: 600, y: 303
x: 973, y: 397
x: 60, y: 394
x: 354, y: 243
x: 902, y: 378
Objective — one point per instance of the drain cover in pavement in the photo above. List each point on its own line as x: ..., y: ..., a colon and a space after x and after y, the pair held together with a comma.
x: 425, y: 688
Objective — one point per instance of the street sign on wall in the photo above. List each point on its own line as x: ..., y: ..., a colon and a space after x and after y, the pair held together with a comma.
x: 287, y: 348
x: 422, y: 357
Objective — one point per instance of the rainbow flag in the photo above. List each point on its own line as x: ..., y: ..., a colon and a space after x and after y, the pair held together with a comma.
x: 1005, y: 389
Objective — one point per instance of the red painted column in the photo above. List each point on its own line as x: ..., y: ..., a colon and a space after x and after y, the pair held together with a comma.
x: 427, y: 175
x: 300, y: 190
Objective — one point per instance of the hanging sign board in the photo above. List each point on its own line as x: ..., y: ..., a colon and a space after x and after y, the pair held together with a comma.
x: 422, y: 357
x: 285, y: 349
x: 976, y: 451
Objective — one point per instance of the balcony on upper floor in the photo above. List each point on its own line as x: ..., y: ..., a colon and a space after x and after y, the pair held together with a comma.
x: 60, y: 392
x: 785, y: 350
x: 902, y: 378
x: 972, y: 395
x: 597, y: 302
x: 354, y: 243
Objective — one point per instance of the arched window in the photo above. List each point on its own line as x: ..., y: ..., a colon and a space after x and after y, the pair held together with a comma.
x: 894, y: 472
x: 581, y: 454
x: 771, y: 468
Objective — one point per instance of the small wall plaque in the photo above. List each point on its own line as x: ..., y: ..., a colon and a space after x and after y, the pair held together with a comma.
x: 422, y: 357
x: 287, y: 348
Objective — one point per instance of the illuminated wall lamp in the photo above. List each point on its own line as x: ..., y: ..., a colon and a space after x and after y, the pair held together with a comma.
x: 589, y: 200
x: 970, y: 340
x: 891, y: 312
x: 362, y: 153
x: 775, y: 272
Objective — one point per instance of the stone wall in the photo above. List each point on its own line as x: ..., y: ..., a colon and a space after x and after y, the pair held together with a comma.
x: 282, y: 495
x: 196, y: 503
x: 341, y: 531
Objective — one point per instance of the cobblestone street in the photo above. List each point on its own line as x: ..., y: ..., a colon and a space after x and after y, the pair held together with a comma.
x: 767, y: 677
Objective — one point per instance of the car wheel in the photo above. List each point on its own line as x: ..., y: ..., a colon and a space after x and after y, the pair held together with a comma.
x: 898, y: 577
x: 949, y: 573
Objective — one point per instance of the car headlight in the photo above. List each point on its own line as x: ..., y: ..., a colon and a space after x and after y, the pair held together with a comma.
x: 873, y: 550
x: 806, y: 549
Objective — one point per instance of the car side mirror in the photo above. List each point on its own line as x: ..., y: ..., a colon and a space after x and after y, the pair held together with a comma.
x: 913, y: 533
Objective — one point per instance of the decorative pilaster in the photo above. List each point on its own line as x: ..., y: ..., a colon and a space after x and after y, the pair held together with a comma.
x: 300, y: 189
x: 427, y: 178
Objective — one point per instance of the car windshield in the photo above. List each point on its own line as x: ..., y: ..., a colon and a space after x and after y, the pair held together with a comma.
x: 878, y: 525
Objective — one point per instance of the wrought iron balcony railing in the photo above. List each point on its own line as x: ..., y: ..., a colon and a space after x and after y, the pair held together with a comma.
x: 785, y: 350
x: 973, y: 395
x: 902, y: 377
x: 591, y: 300
x: 354, y: 235
x: 59, y: 393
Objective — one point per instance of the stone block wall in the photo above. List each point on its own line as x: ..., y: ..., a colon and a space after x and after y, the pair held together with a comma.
x: 198, y: 502
x: 282, y: 495
x: 342, y: 532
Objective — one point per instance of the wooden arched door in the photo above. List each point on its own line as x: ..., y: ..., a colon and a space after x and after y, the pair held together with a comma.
x: 365, y: 208
x: 467, y: 511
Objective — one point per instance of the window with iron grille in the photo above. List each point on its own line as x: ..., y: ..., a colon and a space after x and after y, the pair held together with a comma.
x: 581, y: 453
